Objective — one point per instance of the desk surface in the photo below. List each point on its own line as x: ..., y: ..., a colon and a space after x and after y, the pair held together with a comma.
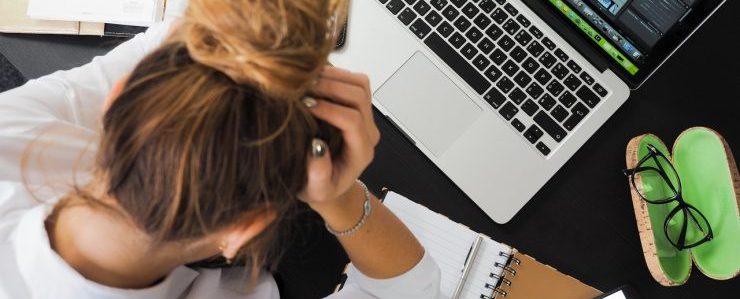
x: 581, y: 222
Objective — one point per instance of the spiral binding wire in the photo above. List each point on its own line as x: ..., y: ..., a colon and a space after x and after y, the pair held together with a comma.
x: 495, y: 290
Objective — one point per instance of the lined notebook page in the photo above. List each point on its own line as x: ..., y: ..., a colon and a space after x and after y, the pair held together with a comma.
x: 448, y: 243
x: 485, y: 264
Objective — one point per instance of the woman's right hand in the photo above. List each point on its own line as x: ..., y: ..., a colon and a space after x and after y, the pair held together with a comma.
x: 344, y: 100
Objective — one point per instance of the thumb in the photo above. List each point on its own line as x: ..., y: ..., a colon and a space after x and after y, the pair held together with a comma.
x: 319, y: 172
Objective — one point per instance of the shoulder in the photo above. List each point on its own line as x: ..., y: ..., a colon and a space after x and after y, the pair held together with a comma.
x: 233, y: 283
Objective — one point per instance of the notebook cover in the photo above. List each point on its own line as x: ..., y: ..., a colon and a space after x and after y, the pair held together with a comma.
x: 550, y: 283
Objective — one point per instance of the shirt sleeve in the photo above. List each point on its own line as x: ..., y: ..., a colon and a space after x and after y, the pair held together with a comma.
x: 61, y: 112
x: 422, y: 281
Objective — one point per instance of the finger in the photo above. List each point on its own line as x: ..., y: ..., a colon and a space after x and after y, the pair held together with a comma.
x: 346, y: 76
x: 319, y: 170
x: 342, y: 92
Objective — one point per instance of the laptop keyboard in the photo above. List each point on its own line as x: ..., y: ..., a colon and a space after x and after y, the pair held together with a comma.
x: 508, y: 61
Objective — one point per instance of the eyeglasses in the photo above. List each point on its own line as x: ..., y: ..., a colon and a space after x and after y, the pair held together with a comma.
x: 657, y: 182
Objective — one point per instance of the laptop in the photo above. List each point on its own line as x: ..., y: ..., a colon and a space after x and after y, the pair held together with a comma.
x: 499, y: 94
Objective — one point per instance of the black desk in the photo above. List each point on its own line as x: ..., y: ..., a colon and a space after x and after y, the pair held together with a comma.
x: 581, y: 222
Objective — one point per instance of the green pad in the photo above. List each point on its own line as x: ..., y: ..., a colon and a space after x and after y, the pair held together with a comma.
x: 676, y: 265
x: 702, y: 163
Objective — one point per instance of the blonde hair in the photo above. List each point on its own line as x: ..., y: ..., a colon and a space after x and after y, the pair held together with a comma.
x: 209, y: 128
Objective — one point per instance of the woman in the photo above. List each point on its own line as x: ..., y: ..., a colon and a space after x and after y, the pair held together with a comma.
x: 205, y: 147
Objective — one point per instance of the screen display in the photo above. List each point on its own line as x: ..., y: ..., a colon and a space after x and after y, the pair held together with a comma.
x: 626, y: 30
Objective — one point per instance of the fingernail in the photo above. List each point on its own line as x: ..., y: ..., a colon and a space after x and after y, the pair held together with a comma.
x: 318, y: 148
x: 310, y: 102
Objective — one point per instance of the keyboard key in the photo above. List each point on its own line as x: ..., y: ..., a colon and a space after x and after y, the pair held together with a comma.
x: 395, y: 6
x: 559, y: 113
x: 506, y: 43
x: 501, y: 2
x: 542, y: 76
x: 469, y: 51
x: 511, y: 10
x: 458, y: 3
x: 518, y: 96
x: 440, y: 47
x: 462, y: 24
x: 450, y: 13
x: 486, y: 46
x: 505, y: 85
x: 580, y: 109
x: 560, y: 71
x: 410, y: 2
x: 498, y: 15
x: 543, y: 148
x: 422, y: 8
x: 383, y: 1
x: 548, y: 43
x: 481, y: 62
x: 530, y: 65
x: 518, y: 54
x: 508, y: 111
x: 555, y: 88
x: 568, y: 99
x: 474, y: 35
x: 494, y: 32
x: 572, y: 82
x: 457, y: 40
x: 498, y: 56
x: 445, y: 29
x: 470, y: 10
x: 510, y: 68
x: 586, y: 78
x: 535, y: 49
x: 407, y: 16
x: 547, y: 102
x: 535, y: 32
x: 433, y: 18
x: 530, y: 107
x: 493, y: 73
x: 560, y: 54
x: 439, y: 4
x: 420, y: 29
x: 518, y: 125
x: 572, y: 122
x: 534, y: 90
x: 523, y: 38
x: 550, y: 126
x: 495, y: 98
x: 482, y: 21
x: 524, y: 21
x: 487, y: 5
x: 533, y: 134
x: 548, y: 60
x: 511, y: 27
x: 588, y: 96
x: 600, y: 90
x: 522, y: 79
x: 574, y: 66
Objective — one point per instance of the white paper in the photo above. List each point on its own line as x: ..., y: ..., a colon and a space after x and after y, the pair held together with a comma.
x: 126, y: 12
x: 448, y: 243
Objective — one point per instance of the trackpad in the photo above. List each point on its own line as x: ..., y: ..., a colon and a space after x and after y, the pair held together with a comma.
x: 428, y: 104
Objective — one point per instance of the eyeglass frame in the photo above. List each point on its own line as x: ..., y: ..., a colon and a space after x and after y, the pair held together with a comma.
x: 654, y: 153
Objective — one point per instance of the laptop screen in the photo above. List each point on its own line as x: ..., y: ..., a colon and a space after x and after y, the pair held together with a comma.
x: 636, y: 35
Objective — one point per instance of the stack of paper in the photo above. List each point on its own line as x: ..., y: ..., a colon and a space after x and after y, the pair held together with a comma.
x: 124, y: 12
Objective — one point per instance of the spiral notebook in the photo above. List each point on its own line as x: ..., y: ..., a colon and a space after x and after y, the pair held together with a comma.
x: 475, y: 266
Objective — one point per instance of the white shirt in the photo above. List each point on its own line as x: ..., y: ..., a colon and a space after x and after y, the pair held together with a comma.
x: 60, y: 115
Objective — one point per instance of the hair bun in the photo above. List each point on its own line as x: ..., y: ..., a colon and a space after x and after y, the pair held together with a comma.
x: 279, y: 46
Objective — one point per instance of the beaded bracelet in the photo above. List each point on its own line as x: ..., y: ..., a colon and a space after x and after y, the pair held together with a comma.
x: 367, y: 208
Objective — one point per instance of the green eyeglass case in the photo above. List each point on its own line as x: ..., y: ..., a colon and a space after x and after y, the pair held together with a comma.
x: 710, y: 182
